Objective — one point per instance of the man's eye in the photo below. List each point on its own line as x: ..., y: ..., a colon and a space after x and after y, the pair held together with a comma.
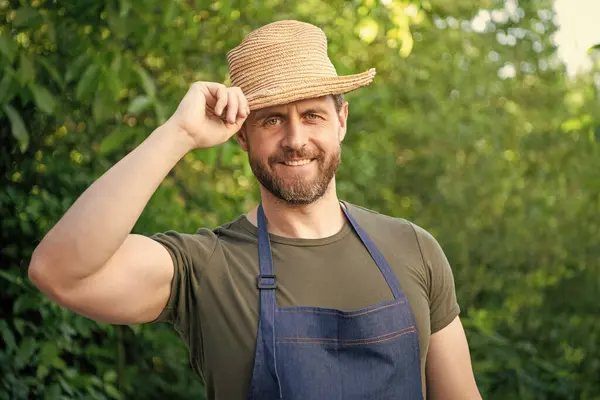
x: 312, y: 116
x: 272, y: 121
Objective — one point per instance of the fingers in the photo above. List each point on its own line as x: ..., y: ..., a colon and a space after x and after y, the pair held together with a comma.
x: 222, y: 100
x: 242, y: 108
x: 232, y: 107
x: 243, y: 103
x: 230, y: 104
x: 236, y: 107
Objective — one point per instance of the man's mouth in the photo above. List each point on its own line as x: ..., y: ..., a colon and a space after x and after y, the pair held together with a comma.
x: 297, y: 163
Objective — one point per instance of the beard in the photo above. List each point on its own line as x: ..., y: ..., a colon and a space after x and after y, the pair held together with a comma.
x: 293, y: 188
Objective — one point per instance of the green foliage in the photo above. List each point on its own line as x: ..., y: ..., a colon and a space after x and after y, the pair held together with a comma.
x: 474, y: 134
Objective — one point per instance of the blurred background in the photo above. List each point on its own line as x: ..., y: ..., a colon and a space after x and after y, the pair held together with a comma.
x: 482, y: 126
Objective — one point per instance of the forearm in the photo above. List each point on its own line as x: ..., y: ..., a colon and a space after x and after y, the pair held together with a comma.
x: 97, y: 224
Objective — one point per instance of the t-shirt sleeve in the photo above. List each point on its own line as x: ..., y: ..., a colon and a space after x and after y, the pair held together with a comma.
x: 443, y: 304
x: 190, y: 254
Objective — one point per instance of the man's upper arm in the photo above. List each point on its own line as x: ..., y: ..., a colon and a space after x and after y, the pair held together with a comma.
x: 448, y: 368
x: 132, y: 287
x: 147, y: 280
x: 449, y: 372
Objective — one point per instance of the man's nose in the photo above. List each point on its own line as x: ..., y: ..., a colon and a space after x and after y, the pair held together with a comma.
x: 296, y: 135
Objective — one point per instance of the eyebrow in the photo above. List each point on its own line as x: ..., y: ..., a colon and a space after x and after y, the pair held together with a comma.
x: 315, y: 110
x: 269, y: 114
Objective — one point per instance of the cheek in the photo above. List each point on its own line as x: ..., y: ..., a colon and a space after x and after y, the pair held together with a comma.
x: 259, y: 151
x: 333, y: 141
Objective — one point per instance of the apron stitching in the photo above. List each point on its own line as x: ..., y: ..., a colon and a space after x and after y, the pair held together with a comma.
x: 342, y: 343
x: 348, y: 340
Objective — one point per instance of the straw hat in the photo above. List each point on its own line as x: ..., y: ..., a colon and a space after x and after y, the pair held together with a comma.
x: 287, y: 61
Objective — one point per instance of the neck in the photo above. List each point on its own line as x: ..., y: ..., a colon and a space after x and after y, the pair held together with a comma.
x: 320, y: 219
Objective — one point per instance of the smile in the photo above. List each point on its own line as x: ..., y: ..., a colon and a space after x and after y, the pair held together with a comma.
x: 297, y: 163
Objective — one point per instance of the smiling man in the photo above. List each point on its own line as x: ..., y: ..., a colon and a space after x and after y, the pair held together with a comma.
x: 305, y: 296
x: 290, y: 169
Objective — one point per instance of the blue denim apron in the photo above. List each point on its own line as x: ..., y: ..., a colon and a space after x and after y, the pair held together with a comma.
x: 313, y: 353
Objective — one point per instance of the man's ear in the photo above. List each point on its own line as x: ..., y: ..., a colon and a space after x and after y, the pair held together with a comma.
x: 343, y: 120
x: 242, y: 138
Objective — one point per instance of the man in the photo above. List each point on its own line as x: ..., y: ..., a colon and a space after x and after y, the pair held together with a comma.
x: 305, y: 297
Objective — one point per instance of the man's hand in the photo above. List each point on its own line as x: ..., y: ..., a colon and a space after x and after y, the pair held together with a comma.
x: 210, y: 113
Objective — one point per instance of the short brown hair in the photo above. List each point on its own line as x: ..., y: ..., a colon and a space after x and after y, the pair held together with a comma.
x: 338, y: 99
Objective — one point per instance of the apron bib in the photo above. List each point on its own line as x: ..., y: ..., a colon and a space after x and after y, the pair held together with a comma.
x: 314, y: 353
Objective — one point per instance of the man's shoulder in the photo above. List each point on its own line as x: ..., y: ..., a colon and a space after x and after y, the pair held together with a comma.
x: 391, y: 228
x: 371, y: 218
x: 235, y: 228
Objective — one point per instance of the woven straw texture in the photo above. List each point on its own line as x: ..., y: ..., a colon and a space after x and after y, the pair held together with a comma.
x: 287, y: 61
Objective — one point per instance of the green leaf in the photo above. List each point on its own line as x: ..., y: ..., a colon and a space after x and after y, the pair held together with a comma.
x: 125, y: 6
x: 113, y: 392
x: 26, y: 16
x: 102, y: 107
x: 42, y: 371
x: 8, y: 276
x: 75, y: 68
x: 112, y: 85
x: 96, y: 381
x: 53, y: 393
x: 119, y: 26
x: 8, y: 47
x: 19, y: 325
x: 146, y: 80
x: 54, y: 74
x: 66, y: 386
x: 50, y: 31
x: 115, y: 65
x: 139, y: 104
x: 161, y: 112
x: 59, y: 363
x: 17, y: 127
x: 211, y: 156
x: 594, y: 48
x: 110, y: 376
x: 26, y: 349
x: 25, y: 302
x: 228, y: 149
x: 43, y: 98
x: 136, y: 329
x: 26, y: 72
x: 48, y: 353
x: 170, y: 13
x: 5, y: 85
x: 115, y: 139
x: 7, y: 335
x: 88, y: 83
x: 83, y: 325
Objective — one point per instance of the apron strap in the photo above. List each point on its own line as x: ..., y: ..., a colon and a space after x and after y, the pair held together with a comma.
x: 379, y: 259
x: 266, y: 282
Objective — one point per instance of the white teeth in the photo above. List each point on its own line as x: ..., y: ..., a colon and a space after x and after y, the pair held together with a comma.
x: 297, y: 163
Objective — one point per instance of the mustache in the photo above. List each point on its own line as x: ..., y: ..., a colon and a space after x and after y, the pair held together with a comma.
x: 291, y: 154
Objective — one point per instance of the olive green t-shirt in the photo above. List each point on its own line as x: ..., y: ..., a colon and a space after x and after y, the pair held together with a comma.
x: 214, y: 301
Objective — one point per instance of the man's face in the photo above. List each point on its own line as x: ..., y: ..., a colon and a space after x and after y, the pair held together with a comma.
x: 294, y: 149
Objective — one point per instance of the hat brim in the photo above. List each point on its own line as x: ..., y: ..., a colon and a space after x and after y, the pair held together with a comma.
x: 307, y: 89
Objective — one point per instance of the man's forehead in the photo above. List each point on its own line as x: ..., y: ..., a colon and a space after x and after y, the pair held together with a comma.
x: 320, y: 102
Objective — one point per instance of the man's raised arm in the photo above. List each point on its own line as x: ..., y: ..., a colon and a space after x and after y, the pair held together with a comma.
x: 89, y: 261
